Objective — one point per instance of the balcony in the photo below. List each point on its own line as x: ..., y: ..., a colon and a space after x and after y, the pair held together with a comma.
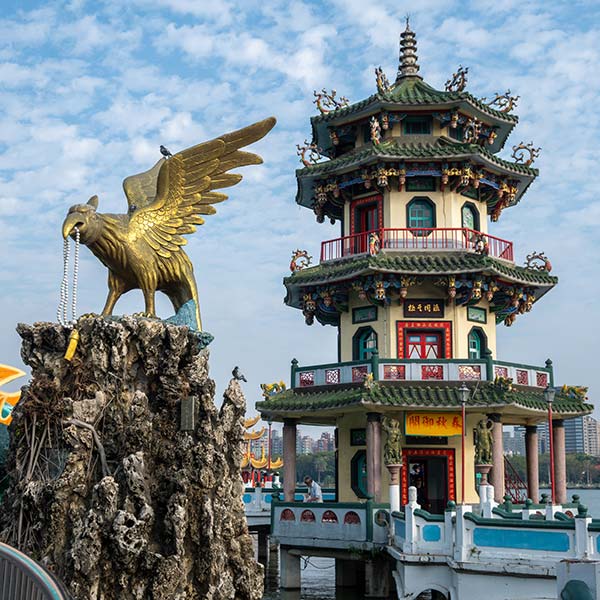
x: 460, y: 239
x: 335, y: 525
x: 257, y: 503
x: 525, y: 547
x: 489, y: 533
x: 390, y: 370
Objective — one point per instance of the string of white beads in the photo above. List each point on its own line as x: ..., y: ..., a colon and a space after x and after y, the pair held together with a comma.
x: 75, y: 276
x: 63, y: 307
x: 61, y: 313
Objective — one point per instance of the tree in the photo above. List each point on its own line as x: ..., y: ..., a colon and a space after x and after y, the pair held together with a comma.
x: 581, y: 469
x: 320, y: 466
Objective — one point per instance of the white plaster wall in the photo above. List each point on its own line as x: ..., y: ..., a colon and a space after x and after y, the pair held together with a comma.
x: 448, y: 208
x: 387, y: 316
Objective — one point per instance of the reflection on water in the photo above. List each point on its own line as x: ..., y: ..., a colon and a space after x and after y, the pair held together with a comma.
x: 591, y: 498
x: 318, y: 581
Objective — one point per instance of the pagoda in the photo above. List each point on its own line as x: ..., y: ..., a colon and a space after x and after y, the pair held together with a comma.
x: 416, y: 286
x: 258, y: 470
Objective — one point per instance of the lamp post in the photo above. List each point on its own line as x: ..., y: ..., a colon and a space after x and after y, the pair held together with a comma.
x: 464, y: 396
x: 549, y: 397
x: 269, y: 447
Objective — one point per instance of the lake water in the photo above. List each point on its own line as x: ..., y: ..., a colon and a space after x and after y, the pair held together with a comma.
x: 318, y: 574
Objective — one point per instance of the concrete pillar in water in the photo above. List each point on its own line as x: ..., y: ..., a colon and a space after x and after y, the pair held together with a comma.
x: 289, y: 459
x: 272, y: 568
x: 374, y: 455
x: 377, y: 578
x: 497, y: 473
x: 346, y: 573
x: 289, y: 577
x: 263, y: 545
x: 560, y: 465
x: 533, y: 468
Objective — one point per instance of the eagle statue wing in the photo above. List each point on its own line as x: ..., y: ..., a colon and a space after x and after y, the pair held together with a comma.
x: 186, y: 184
x: 140, y: 189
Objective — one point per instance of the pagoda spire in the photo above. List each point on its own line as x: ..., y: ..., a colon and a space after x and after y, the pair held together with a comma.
x: 408, y: 66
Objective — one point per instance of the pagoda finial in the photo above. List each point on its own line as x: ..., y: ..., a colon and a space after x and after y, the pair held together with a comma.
x: 408, y: 54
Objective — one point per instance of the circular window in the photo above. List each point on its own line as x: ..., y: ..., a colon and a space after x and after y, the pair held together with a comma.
x: 382, y: 518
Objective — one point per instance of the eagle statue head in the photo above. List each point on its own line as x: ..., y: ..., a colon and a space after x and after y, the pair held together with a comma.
x: 85, y: 219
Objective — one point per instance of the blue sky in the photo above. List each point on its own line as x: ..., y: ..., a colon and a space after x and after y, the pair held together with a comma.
x: 89, y: 90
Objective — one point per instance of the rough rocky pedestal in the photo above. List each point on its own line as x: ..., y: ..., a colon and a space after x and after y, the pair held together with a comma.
x: 106, y: 490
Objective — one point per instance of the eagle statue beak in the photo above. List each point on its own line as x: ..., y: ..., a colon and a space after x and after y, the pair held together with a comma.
x: 72, y: 221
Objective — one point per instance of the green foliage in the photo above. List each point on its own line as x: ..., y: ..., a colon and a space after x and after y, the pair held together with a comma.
x: 3, y: 452
x: 581, y: 469
x: 319, y: 465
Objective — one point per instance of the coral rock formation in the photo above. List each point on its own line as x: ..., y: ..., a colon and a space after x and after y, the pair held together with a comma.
x: 106, y: 490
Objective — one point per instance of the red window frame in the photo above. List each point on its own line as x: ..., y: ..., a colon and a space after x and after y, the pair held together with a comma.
x: 447, y: 452
x: 424, y: 344
x: 377, y: 200
x: 445, y: 327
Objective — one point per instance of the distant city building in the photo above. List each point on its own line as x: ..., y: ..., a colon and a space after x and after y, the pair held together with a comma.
x: 574, y: 436
x: 256, y: 446
x: 591, y: 436
x: 276, y: 444
x: 304, y: 444
x: 582, y: 436
x: 513, y: 440
x: 325, y: 443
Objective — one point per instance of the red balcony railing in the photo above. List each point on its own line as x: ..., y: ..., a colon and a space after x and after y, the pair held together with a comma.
x: 419, y: 239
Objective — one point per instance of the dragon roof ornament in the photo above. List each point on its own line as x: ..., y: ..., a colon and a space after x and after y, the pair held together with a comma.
x: 327, y: 102
x: 458, y: 81
x: 502, y: 102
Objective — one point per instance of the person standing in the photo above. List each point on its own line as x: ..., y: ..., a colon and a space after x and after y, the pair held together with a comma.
x: 315, y: 493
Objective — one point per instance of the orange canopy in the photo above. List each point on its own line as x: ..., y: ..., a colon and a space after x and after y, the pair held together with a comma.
x: 8, y: 399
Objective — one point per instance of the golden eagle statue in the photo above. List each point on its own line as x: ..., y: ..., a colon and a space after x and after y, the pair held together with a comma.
x: 143, y: 248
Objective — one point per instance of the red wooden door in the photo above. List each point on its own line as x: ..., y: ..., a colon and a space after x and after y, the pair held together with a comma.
x: 423, y: 344
x: 367, y: 219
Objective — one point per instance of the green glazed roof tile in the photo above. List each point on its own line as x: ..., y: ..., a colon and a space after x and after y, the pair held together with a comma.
x: 408, y: 395
x: 441, y: 148
x: 414, y: 92
x: 418, y: 263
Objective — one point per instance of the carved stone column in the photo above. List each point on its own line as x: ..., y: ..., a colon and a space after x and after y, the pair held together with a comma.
x: 497, y: 474
x: 560, y: 465
x: 533, y: 469
x: 374, y: 455
x: 289, y: 459
x: 394, y: 486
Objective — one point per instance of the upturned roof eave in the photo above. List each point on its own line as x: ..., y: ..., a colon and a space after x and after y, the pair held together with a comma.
x: 366, y: 154
x: 355, y: 398
x: 503, y: 122
x: 366, y: 107
x: 308, y: 175
x: 294, y: 286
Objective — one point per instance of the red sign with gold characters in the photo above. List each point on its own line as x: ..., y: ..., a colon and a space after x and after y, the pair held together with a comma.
x: 423, y: 308
x: 436, y: 424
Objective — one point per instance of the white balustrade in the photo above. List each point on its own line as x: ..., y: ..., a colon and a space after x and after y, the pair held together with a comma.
x: 421, y: 370
x: 533, y: 535
x: 318, y: 525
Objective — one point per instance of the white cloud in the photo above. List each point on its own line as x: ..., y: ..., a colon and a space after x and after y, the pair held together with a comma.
x: 90, y: 92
